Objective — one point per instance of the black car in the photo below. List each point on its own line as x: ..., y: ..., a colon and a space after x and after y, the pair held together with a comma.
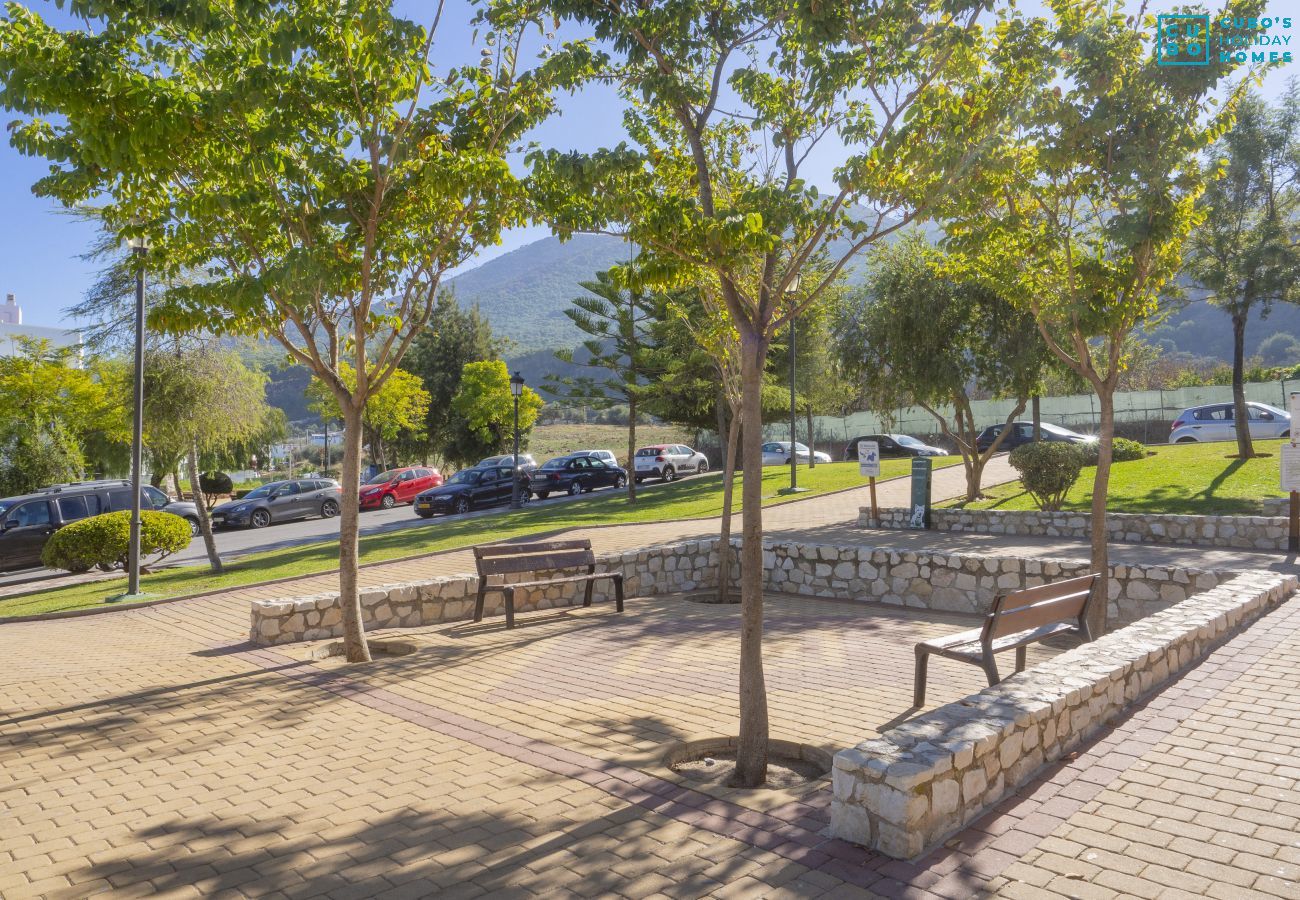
x: 27, y: 521
x: 471, y: 489
x: 1023, y: 433
x: 280, y: 501
x: 575, y: 475
x: 893, y: 445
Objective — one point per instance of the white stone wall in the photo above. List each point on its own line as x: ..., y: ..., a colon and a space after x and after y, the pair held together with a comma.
x: 1240, y: 532
x: 906, y: 791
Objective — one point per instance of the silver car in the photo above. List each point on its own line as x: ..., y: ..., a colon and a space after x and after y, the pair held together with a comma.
x: 1214, y: 422
x: 667, y: 461
x: 279, y: 501
x: 777, y: 453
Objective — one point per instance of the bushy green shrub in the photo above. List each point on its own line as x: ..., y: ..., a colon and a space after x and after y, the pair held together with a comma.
x: 105, y: 541
x: 1122, y: 450
x: 1048, y: 469
x: 213, y: 483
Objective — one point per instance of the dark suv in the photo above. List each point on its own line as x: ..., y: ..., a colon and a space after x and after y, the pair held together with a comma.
x: 1023, y: 433
x: 27, y: 521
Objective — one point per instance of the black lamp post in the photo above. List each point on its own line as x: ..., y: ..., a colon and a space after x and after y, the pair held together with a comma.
x: 516, y: 390
x: 791, y: 290
x: 139, y: 247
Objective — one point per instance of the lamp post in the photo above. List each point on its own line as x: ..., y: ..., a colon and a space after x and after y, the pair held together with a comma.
x: 791, y: 290
x: 139, y: 247
x: 516, y: 391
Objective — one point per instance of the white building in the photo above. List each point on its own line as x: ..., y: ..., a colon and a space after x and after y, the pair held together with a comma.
x: 12, y: 329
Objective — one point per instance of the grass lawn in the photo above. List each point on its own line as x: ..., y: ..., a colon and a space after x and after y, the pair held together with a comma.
x: 1185, y: 479
x: 691, y: 498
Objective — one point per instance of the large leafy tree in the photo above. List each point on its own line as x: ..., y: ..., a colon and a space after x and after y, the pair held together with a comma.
x: 1246, y: 249
x: 400, y: 406
x: 1082, y: 212
x: 315, y: 159
x: 484, y: 413
x: 726, y: 102
x: 921, y: 335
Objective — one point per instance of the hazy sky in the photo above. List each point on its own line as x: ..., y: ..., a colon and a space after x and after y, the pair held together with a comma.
x: 40, y: 247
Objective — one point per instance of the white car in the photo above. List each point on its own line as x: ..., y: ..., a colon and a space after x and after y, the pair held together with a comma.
x: 1214, y: 422
x: 777, y: 453
x: 667, y: 461
x: 605, y: 456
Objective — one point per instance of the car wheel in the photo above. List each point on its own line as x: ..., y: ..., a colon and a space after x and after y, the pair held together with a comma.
x: 329, y: 509
x: 388, y: 502
x: 620, y: 482
x: 463, y: 505
x: 1285, y: 434
x: 1185, y: 440
x: 194, y: 527
x: 259, y: 519
x: 575, y: 488
x: 669, y: 474
x: 704, y: 467
x: 542, y: 495
x: 637, y: 479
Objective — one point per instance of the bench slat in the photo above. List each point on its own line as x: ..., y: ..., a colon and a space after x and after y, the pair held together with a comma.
x: 549, y: 562
x: 490, y: 550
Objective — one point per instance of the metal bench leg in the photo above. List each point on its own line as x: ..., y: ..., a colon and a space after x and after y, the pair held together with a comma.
x: 618, y: 591
x: 586, y: 596
x: 478, y: 604
x: 922, y: 664
x: 510, y: 607
x: 991, y: 669
x: 1022, y: 656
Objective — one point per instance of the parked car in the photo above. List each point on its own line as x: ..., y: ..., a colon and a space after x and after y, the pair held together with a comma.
x: 526, y: 462
x: 892, y: 445
x: 280, y: 501
x: 471, y: 489
x: 777, y: 453
x: 27, y: 521
x: 1023, y: 433
x: 387, y: 489
x: 667, y: 461
x: 605, y: 456
x: 1215, y: 422
x: 574, y: 475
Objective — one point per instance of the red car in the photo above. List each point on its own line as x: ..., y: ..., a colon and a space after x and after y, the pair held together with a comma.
x: 387, y: 489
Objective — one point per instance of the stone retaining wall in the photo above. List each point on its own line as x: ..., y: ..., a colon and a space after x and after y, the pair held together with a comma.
x: 1276, y: 506
x: 1241, y: 532
x: 907, y: 790
x: 658, y: 570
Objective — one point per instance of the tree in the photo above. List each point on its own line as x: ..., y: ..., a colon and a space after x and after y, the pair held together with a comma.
x: 484, y: 412
x: 1245, y: 251
x: 918, y: 334
x: 724, y: 106
x: 621, y: 321
x: 200, y: 399
x: 399, y: 406
x: 453, y: 337
x: 312, y: 159
x: 1081, y: 213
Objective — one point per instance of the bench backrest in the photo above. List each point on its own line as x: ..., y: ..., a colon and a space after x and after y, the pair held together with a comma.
x: 505, y: 559
x: 1058, y: 601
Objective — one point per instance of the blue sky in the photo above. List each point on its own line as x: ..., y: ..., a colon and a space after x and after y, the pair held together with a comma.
x: 40, y: 246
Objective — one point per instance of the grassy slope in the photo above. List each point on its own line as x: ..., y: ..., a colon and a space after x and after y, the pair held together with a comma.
x: 1195, y: 479
x: 547, y: 441
x: 688, y: 499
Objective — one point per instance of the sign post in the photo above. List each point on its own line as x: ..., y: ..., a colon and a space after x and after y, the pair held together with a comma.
x: 869, y: 465
x: 921, y: 468
x: 1291, y: 477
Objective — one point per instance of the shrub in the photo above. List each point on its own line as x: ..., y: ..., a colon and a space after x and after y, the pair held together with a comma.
x: 105, y: 541
x: 1047, y: 470
x: 1121, y: 450
x: 213, y: 483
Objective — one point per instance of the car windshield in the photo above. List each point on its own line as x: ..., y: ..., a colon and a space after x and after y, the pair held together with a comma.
x: 384, y: 477
x: 648, y: 451
x: 907, y: 440
x: 464, y: 476
x: 4, y: 507
x: 263, y: 491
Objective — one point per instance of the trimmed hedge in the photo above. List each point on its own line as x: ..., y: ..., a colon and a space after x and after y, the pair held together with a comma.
x: 105, y: 541
x: 1121, y: 450
x: 1048, y: 469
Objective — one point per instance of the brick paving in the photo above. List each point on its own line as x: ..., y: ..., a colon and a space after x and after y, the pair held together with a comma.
x: 152, y: 751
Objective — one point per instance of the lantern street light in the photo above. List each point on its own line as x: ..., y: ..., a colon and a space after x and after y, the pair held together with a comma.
x: 139, y: 248
x: 516, y: 390
x: 791, y: 290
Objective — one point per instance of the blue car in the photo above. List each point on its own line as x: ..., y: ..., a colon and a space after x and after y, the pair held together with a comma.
x: 575, y: 475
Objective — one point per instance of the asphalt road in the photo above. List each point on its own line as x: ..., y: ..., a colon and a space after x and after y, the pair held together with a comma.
x: 234, y: 543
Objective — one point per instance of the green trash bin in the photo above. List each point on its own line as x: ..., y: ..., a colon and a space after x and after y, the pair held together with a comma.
x: 921, y: 469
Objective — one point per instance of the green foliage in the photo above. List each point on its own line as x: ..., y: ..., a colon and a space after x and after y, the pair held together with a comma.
x: 1122, y: 450
x: 1048, y: 469
x: 399, y: 406
x: 484, y: 409
x: 32, y: 460
x: 212, y: 484
x: 104, y: 541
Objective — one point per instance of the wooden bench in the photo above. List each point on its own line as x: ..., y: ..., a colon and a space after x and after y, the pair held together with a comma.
x: 550, y: 556
x: 1019, y: 619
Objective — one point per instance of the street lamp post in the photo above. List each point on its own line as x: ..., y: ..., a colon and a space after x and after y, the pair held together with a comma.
x: 791, y: 290
x: 516, y: 390
x: 139, y: 247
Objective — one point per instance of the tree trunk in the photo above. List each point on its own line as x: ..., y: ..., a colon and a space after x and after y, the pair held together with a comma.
x: 1240, y: 414
x: 200, y: 503
x: 631, y: 448
x: 354, y: 636
x: 812, y: 438
x: 724, y: 530
x: 721, y: 406
x: 1097, y: 525
x: 751, y: 748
